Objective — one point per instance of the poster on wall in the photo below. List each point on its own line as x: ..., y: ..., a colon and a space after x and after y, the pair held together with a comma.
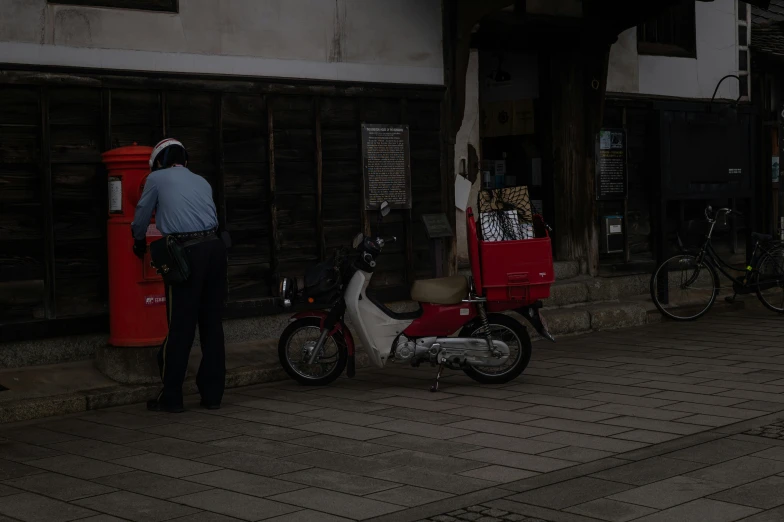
x: 386, y: 166
x: 611, y: 175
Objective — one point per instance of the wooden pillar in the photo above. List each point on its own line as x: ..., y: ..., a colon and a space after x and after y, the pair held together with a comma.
x: 220, y: 183
x: 322, y: 246
x: 50, y: 299
x: 274, y: 242
x: 577, y: 89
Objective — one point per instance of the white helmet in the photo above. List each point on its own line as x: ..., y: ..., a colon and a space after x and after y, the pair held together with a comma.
x: 168, y: 142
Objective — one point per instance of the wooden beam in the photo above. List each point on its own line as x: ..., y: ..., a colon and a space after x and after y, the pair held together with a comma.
x: 83, y: 77
x: 319, y: 183
x: 273, y: 222
x: 50, y: 294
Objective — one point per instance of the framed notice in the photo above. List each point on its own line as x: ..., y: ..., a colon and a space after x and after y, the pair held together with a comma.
x: 611, y: 171
x: 437, y: 226
x: 386, y: 166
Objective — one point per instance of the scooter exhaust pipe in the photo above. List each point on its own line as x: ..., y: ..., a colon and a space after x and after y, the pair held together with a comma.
x: 531, y: 314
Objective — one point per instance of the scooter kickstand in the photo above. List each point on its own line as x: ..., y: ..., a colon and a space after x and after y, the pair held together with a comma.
x: 434, y: 388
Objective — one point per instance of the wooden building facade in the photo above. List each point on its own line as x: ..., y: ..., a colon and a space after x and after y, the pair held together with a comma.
x: 284, y: 160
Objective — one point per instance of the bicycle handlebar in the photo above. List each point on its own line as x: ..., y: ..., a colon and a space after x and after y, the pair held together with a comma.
x: 715, y: 216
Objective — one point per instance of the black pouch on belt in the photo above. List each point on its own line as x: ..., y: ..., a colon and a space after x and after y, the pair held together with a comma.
x: 171, y: 260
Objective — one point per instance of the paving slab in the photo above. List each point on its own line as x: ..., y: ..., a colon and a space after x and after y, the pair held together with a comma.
x: 60, y: 487
x: 648, y: 471
x: 337, y: 481
x: 163, y: 465
x: 703, y: 510
x: 138, y: 508
x: 250, y: 463
x: 151, y: 484
x: 669, y: 492
x: 37, y: 508
x: 611, y: 510
x: 570, y: 493
x: 244, y: 507
x: 79, y: 467
x: 766, y: 493
x: 339, y: 504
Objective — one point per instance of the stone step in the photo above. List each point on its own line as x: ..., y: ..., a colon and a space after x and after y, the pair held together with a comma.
x: 584, y: 289
x: 628, y: 312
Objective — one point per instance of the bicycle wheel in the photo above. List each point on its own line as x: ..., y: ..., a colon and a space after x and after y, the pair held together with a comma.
x: 769, y: 280
x: 683, y: 289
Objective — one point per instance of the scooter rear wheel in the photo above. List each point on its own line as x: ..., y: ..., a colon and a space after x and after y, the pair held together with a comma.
x: 293, y: 353
x: 513, y: 333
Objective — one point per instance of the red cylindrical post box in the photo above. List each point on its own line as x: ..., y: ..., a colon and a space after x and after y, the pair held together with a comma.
x: 137, y: 298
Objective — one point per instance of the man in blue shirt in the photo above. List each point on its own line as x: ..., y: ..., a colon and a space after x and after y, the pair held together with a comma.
x: 184, y: 208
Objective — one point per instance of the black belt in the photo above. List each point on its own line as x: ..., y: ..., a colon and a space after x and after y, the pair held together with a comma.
x: 187, y: 236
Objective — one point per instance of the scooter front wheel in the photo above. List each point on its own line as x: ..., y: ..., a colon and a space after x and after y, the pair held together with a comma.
x: 510, y: 331
x: 296, y: 346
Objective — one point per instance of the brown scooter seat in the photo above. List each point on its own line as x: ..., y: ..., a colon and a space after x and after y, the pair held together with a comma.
x: 443, y: 291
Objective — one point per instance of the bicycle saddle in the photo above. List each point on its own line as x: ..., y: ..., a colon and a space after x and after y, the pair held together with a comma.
x: 761, y: 237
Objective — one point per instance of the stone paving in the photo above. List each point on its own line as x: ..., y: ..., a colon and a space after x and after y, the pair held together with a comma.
x: 769, y: 431
x: 482, y: 514
x: 644, y: 424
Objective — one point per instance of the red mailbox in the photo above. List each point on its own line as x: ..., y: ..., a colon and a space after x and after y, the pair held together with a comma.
x: 137, y: 298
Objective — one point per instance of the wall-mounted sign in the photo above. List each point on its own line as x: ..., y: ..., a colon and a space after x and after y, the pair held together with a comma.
x: 611, y: 180
x: 386, y: 162
x: 437, y: 226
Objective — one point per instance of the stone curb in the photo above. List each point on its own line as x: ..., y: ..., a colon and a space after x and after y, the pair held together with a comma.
x: 123, y: 394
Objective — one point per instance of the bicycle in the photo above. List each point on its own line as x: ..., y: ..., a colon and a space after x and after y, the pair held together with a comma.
x: 692, y: 282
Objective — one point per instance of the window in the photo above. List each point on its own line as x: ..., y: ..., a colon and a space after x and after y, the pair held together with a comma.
x: 148, y: 5
x: 742, y: 8
x: 672, y: 33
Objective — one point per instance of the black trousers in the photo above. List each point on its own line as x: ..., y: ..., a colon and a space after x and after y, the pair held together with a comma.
x: 197, y: 301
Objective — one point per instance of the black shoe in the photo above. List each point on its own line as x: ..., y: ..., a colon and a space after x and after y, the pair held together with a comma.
x: 210, y: 405
x: 155, y: 405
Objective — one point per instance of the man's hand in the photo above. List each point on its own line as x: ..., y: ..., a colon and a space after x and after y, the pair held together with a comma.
x: 139, y: 247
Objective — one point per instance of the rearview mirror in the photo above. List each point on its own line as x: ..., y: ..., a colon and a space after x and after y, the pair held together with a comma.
x: 384, y: 209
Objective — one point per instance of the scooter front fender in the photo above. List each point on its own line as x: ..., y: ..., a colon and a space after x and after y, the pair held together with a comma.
x: 340, y: 326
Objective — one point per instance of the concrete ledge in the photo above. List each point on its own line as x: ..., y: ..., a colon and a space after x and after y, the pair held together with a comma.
x: 121, y: 395
x: 29, y: 409
x: 50, y: 351
x: 128, y: 365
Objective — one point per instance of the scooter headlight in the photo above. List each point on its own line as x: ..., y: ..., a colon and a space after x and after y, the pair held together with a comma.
x: 285, y: 291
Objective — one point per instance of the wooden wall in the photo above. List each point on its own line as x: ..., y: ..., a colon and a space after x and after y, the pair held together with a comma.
x: 284, y: 161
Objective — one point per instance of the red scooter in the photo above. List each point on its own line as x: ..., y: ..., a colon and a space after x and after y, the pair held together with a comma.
x: 490, y: 347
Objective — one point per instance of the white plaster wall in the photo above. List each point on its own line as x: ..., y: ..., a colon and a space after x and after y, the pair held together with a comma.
x: 396, y: 41
x: 468, y: 135
x: 717, y: 56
